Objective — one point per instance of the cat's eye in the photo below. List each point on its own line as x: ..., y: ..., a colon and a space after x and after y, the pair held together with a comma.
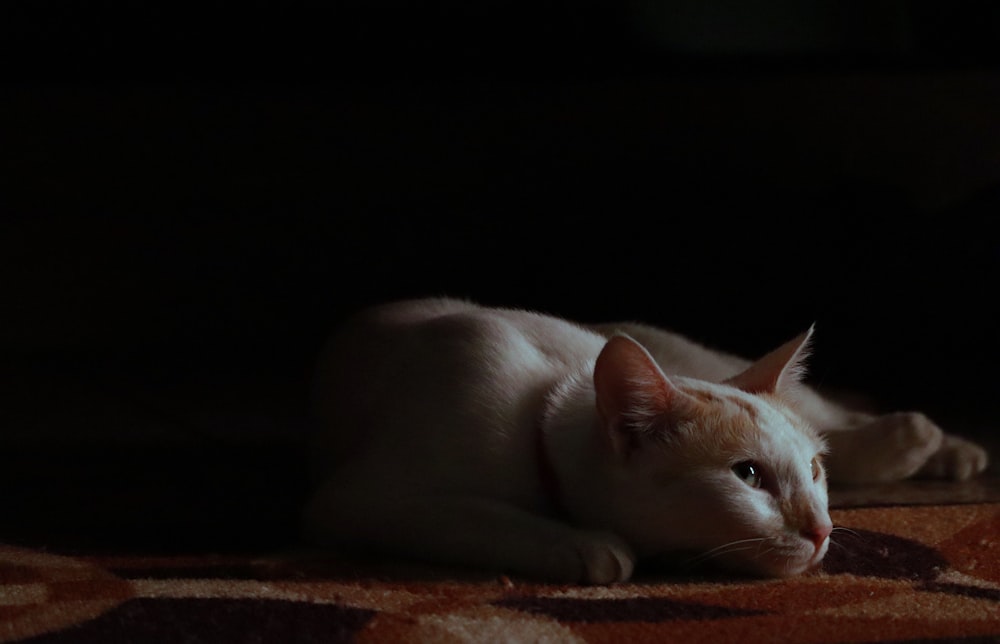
x: 817, y: 469
x: 749, y: 473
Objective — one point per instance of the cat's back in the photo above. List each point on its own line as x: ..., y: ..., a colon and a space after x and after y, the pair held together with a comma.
x: 409, y: 313
x: 435, y: 363
x: 434, y: 331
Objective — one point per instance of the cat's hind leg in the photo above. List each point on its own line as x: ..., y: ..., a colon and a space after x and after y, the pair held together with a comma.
x: 882, y: 449
x: 471, y: 531
x: 897, y: 446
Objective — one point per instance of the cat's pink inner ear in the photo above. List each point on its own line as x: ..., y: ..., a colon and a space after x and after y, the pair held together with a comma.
x: 632, y: 392
x: 777, y: 371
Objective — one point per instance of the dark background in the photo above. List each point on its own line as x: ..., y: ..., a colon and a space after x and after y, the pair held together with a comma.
x: 192, y: 199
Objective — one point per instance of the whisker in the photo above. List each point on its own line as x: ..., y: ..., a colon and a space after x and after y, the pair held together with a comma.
x: 732, y: 546
x: 843, y: 529
x: 727, y: 546
x: 766, y: 552
x: 738, y: 542
x: 837, y: 531
x: 702, y: 558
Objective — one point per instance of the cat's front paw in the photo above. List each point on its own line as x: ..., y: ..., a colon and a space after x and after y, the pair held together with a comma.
x: 957, y: 459
x: 594, y: 558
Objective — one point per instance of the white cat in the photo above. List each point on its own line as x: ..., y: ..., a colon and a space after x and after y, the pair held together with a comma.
x: 524, y: 443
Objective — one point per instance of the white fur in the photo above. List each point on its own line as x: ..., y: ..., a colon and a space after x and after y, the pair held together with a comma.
x: 433, y: 410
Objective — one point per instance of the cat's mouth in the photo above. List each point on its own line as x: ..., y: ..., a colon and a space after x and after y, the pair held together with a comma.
x: 793, y: 559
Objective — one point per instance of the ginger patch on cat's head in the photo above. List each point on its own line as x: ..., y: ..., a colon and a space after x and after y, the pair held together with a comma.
x: 732, y: 424
x: 724, y: 424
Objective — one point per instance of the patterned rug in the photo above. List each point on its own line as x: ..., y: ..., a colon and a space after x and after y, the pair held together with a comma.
x: 903, y: 574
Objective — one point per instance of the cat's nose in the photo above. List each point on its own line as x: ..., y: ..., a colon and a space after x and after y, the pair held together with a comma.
x: 817, y: 533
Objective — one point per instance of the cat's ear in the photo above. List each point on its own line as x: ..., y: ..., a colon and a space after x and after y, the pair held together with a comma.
x: 634, y: 397
x: 779, y: 371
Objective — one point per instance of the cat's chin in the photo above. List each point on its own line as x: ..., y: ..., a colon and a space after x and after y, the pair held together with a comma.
x: 780, y: 565
x: 771, y: 565
x: 777, y: 568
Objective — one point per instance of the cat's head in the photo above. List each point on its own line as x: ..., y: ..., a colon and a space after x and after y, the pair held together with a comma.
x: 727, y: 471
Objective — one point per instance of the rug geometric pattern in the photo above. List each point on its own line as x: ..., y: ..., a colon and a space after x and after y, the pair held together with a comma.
x: 908, y: 573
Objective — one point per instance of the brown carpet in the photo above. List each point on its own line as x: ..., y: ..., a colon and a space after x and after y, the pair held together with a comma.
x: 903, y: 573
